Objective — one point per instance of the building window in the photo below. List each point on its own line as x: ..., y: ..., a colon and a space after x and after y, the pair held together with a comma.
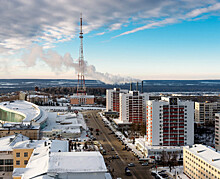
x: 18, y: 154
x: 1, y: 162
x: 26, y: 162
x: 9, y: 162
x: 1, y: 169
x: 9, y: 168
x: 17, y: 162
x: 25, y: 154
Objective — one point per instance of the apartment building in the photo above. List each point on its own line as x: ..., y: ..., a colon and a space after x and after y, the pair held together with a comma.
x: 112, y: 99
x: 217, y: 131
x: 205, y: 112
x: 6, y: 154
x: 132, y: 107
x: 200, y: 162
x: 169, y: 122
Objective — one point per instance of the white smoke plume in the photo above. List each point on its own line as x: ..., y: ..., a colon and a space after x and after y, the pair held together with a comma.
x: 56, y: 62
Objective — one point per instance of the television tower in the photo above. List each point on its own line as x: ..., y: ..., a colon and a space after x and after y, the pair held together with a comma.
x: 81, y: 88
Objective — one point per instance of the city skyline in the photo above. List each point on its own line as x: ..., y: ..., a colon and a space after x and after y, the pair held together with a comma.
x: 122, y: 41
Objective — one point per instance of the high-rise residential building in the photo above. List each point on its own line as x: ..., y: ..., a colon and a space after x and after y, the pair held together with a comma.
x: 170, y: 122
x: 217, y: 131
x: 205, y: 112
x: 112, y: 99
x: 200, y: 161
x: 132, y: 107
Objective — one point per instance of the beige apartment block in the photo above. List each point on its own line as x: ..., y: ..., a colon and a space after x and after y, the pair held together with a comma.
x: 217, y: 131
x: 201, y: 162
x: 205, y: 112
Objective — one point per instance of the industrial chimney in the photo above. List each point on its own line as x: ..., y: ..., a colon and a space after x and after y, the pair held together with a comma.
x: 130, y: 86
x: 142, y: 86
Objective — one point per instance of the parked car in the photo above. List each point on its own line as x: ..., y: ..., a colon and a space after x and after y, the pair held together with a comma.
x: 145, y: 164
x: 131, y: 165
x: 164, y: 175
x: 153, y: 173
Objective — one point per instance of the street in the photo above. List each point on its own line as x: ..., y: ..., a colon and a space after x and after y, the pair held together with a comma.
x: 113, y: 146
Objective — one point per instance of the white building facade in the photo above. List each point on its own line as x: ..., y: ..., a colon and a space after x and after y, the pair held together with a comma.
x: 132, y: 107
x: 112, y: 99
x: 170, y: 122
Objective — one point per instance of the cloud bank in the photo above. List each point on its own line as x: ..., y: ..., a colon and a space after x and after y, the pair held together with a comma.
x: 49, y: 22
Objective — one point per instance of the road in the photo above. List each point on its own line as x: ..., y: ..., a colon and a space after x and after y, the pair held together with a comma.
x: 108, y: 142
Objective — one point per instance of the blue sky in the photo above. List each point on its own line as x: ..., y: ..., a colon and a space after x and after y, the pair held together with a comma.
x: 124, y: 41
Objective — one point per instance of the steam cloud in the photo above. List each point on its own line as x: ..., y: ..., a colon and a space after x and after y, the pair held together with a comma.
x: 56, y: 62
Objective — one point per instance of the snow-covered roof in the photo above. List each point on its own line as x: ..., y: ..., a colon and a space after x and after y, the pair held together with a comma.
x: 36, y: 96
x: 118, y: 121
x: 62, y: 162
x: 81, y: 96
x: 29, y: 110
x: 55, y: 145
x: 207, y: 154
x: 65, y: 122
x: 47, y: 163
x: 8, y: 142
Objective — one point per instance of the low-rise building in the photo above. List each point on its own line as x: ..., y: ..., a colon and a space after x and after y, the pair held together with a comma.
x: 48, y: 161
x: 64, y: 125
x: 200, y: 161
x: 22, y: 112
x: 7, y: 129
x: 82, y: 99
x: 159, y: 152
x: 6, y: 154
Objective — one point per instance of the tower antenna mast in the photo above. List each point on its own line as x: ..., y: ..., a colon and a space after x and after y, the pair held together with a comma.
x: 81, y: 88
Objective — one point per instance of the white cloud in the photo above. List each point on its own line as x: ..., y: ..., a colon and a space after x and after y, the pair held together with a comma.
x: 50, y: 22
x: 192, y: 14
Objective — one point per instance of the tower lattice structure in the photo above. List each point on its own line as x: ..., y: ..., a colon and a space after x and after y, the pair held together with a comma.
x: 81, y: 88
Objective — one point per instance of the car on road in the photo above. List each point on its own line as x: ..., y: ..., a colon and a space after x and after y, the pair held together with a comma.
x: 153, y: 173
x: 112, y: 149
x: 131, y: 165
x: 164, y: 175
x: 145, y: 164
x: 162, y: 171
x: 127, y: 171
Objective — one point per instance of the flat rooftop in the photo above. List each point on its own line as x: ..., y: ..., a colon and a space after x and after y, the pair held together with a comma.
x: 8, y: 142
x: 29, y: 110
x: 207, y: 154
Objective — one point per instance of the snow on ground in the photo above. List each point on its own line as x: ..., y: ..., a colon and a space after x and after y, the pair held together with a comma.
x: 176, y: 170
x: 72, y: 108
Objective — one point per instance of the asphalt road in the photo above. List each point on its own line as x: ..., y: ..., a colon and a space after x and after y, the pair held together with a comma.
x: 109, y: 141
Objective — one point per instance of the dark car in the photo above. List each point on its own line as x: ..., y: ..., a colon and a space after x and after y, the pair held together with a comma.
x: 164, y: 175
x: 153, y: 173
x: 131, y: 165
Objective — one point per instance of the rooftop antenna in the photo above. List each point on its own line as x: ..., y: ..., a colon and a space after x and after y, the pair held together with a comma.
x: 81, y: 88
